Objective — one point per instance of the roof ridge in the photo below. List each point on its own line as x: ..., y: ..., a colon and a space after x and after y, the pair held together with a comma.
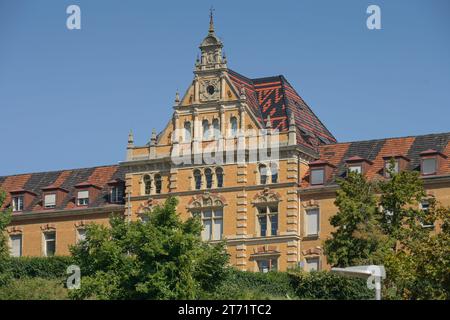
x: 62, y: 170
x: 397, y: 137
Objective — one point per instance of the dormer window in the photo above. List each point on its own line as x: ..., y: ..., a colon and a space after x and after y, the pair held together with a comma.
x: 320, y: 172
x: 50, y: 201
x: 317, y: 176
x: 17, y: 203
x: 83, y: 198
x: 388, y: 167
x: 357, y: 164
x: 429, y: 166
x: 431, y: 160
x: 116, y: 194
x: 355, y: 168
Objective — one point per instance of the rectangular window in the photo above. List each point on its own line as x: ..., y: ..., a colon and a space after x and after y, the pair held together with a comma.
x: 218, y: 225
x: 50, y: 201
x: 83, y: 198
x: 317, y: 176
x: 49, y: 243
x: 18, y: 203
x: 212, y: 221
x: 312, y: 222
x: 425, y: 206
x: 81, y: 235
x: 16, y: 245
x: 266, y: 265
x: 429, y: 166
x: 116, y: 195
x: 262, y: 226
x: 357, y: 169
x: 387, y: 167
x: 313, y: 264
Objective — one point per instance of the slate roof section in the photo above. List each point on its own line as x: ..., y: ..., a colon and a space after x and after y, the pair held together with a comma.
x: 375, y: 150
x: 66, y: 179
x: 275, y: 97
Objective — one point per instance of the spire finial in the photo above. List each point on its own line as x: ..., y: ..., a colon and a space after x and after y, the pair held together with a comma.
x: 211, y: 20
x: 130, y: 137
x: 177, y: 97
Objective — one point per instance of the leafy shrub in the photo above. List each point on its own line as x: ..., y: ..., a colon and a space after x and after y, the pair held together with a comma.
x: 39, y: 267
x: 33, y: 289
x: 252, y: 285
x: 328, y: 286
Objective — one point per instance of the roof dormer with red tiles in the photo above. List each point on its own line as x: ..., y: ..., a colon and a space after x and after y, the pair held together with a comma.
x: 320, y: 172
x: 21, y: 199
x: 401, y: 163
x: 86, y: 193
x: 358, y: 164
x: 432, y: 162
x: 53, y: 196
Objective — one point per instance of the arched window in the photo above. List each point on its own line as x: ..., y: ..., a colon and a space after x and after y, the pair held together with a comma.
x: 234, y: 126
x: 198, y: 179
x: 209, y: 178
x: 216, y: 128
x: 263, y: 174
x: 158, y: 183
x: 205, y: 126
x: 219, y: 177
x: 147, y: 180
x: 274, y: 172
x: 187, y: 132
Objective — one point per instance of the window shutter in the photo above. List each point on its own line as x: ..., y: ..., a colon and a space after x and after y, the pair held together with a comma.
x: 16, y: 245
x: 50, y: 200
x: 83, y: 194
x: 312, y: 220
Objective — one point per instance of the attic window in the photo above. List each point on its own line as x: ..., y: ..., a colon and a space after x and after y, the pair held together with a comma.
x: 429, y: 166
x: 17, y: 203
x: 50, y: 201
x: 387, y: 167
x: 83, y: 198
x: 355, y: 168
x: 317, y: 176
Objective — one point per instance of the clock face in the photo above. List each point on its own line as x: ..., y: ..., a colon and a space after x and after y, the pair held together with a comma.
x: 209, y: 89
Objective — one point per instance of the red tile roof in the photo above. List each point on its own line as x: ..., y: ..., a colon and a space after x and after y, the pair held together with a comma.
x: 66, y: 180
x: 275, y: 97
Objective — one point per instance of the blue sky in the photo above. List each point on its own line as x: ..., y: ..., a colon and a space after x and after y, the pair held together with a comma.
x: 69, y: 98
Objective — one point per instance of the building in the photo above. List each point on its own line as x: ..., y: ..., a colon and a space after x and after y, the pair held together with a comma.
x: 272, y: 205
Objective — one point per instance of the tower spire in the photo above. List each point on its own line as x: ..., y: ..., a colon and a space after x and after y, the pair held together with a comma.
x: 211, y: 20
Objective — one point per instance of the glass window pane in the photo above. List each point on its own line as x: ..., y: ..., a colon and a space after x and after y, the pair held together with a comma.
x: 263, y: 226
x: 356, y: 169
x: 207, y: 214
x: 312, y: 264
x: 50, y: 200
x: 263, y: 266
x: 317, y: 176
x: 218, y: 229
x: 206, y: 233
x: 274, y: 224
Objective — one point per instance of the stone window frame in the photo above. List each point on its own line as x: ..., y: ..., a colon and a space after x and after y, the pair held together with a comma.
x: 208, y: 201
x: 266, y: 198
x: 311, y: 205
x: 203, y: 182
x: 269, y: 174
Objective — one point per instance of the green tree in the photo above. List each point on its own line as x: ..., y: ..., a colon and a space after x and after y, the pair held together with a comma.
x: 163, y: 258
x: 381, y: 222
x: 5, y: 219
x: 357, y: 238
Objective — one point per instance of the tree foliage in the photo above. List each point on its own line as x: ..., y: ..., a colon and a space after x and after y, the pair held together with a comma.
x: 5, y: 219
x: 163, y: 258
x: 381, y: 222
